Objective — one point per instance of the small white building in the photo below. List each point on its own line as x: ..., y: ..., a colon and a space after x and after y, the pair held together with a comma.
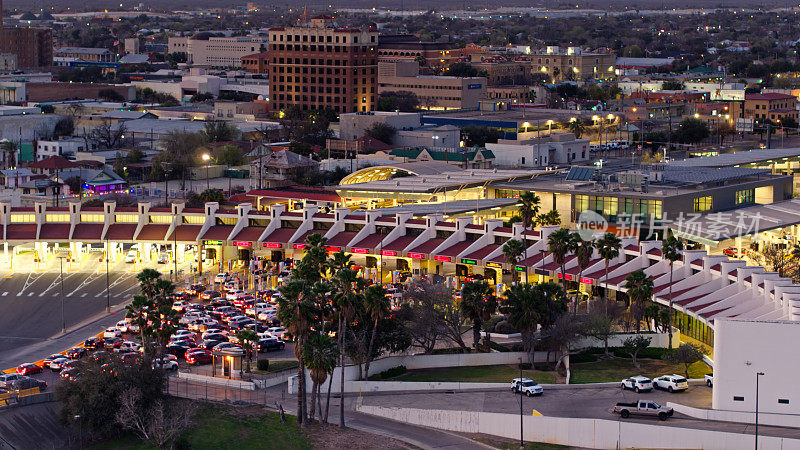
x: 62, y: 147
x: 561, y: 148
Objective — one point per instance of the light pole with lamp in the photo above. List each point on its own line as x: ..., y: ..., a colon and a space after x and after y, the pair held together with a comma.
x: 80, y: 430
x: 108, y: 284
x: 521, y: 397
x: 61, y: 271
x: 758, y: 374
x: 206, y: 158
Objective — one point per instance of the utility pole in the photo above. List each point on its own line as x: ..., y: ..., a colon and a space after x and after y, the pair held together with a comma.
x: 61, y: 271
x: 108, y: 285
x: 758, y: 374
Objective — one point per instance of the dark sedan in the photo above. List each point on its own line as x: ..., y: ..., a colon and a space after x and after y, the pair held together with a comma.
x: 268, y: 345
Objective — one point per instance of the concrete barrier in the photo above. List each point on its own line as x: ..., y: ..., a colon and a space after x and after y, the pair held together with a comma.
x: 778, y: 420
x: 239, y: 384
x: 576, y: 432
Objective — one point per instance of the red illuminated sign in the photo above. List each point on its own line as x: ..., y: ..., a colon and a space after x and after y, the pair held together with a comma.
x: 242, y: 244
x: 587, y: 281
x: 359, y: 250
x: 274, y: 245
x: 299, y: 246
x: 416, y: 255
x: 568, y: 277
x: 442, y: 258
x: 333, y: 249
x: 388, y: 253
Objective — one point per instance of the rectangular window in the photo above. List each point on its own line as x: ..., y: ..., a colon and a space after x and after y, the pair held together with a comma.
x: 126, y: 218
x: 581, y: 203
x: 22, y: 218
x: 783, y: 401
x: 746, y: 196
x: 738, y: 398
x: 160, y: 219
x: 702, y: 204
x: 57, y: 218
x: 92, y: 218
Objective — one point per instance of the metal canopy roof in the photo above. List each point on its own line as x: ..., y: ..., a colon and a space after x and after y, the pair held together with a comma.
x: 444, y: 181
x: 450, y: 208
x: 739, y: 158
x: 716, y: 227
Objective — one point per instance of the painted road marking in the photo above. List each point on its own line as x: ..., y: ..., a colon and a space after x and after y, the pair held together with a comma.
x: 84, y: 295
x: 536, y: 413
x: 30, y: 294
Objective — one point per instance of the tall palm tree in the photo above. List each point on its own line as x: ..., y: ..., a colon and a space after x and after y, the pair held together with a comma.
x: 549, y: 218
x: 478, y: 304
x: 377, y: 305
x: 9, y: 148
x: 512, y: 250
x: 671, y: 250
x: 295, y: 312
x: 529, y: 306
x: 640, y: 288
x: 346, y: 299
x: 528, y: 206
x: 583, y: 251
x: 319, y: 355
x: 577, y: 127
x: 608, y: 247
x: 559, y: 244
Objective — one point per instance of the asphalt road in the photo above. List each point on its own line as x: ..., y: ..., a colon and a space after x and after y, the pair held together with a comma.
x: 31, y: 304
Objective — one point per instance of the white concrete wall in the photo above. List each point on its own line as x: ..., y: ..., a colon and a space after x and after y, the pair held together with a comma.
x: 239, y: 384
x: 779, y: 420
x: 744, y: 347
x: 585, y: 433
x: 658, y: 340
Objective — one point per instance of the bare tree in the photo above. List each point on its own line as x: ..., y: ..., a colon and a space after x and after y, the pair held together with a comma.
x: 160, y: 423
x: 422, y: 314
x: 563, y: 335
x: 107, y: 136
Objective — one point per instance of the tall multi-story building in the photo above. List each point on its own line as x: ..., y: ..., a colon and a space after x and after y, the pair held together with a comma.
x: 256, y: 63
x: 33, y: 47
x: 320, y: 65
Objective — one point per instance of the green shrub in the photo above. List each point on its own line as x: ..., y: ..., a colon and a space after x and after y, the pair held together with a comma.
x: 503, y: 327
x: 646, y: 353
x: 583, y: 357
x: 450, y: 351
x: 499, y: 347
x: 525, y: 366
x: 262, y: 365
x: 491, y: 324
x: 389, y: 373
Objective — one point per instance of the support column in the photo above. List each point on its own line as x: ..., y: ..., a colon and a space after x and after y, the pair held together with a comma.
x: 147, y: 253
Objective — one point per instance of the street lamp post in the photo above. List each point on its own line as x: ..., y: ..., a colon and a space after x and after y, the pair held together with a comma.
x: 61, y: 271
x: 80, y: 430
x: 207, y: 158
x: 758, y: 374
x: 108, y: 284
x: 521, y: 397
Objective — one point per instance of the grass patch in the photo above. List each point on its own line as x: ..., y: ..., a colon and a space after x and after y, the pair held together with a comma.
x: 477, y: 374
x: 615, y: 369
x: 278, y: 366
x: 509, y: 445
x: 218, y: 427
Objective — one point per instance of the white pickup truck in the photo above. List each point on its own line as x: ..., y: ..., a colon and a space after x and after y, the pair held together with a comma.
x: 709, y: 379
x: 644, y: 408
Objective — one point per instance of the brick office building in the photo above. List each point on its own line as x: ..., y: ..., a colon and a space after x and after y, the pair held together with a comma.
x: 322, y: 66
x: 33, y: 47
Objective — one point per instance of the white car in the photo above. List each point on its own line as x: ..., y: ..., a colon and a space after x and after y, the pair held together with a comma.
x: 128, y: 346
x: 111, y: 332
x: 257, y: 308
x: 166, y: 364
x: 267, y: 315
x: 184, y: 333
x: 221, y: 277
x: 130, y: 257
x: 7, y: 378
x: 637, y: 383
x: 709, y: 379
x: 671, y: 383
x: 277, y: 332
x: 179, y: 306
x: 122, y: 326
x: 57, y: 364
x: 526, y: 386
x: 233, y: 293
x: 264, y: 335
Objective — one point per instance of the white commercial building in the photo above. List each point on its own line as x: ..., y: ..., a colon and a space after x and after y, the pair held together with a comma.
x: 353, y: 125
x: 61, y: 147
x: 744, y: 348
x: 217, y: 51
x: 561, y: 148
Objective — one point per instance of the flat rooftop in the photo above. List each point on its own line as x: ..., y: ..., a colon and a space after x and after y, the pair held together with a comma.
x: 456, y: 179
x: 508, y: 118
x: 739, y: 158
x: 451, y: 208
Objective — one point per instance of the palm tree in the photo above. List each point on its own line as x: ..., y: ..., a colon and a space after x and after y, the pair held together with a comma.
x: 346, y: 300
x: 559, y: 244
x: 583, y: 252
x: 640, y: 288
x: 9, y: 148
x: 319, y: 355
x: 247, y: 338
x: 528, y: 206
x: 478, y: 304
x: 528, y: 306
x: 608, y: 247
x: 377, y: 305
x: 577, y: 127
x: 671, y: 250
x: 297, y: 311
x: 549, y: 218
x: 512, y: 250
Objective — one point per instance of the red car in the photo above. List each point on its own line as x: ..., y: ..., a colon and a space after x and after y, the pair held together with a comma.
x: 28, y: 369
x: 198, y: 356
